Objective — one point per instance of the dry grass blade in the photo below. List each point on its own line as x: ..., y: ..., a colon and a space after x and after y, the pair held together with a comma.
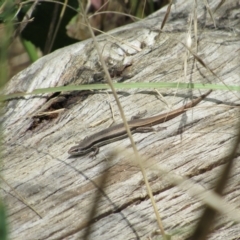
x: 25, y: 19
x: 50, y: 42
x: 195, y: 24
x: 127, y: 129
x: 206, y: 221
x: 209, y: 69
x: 189, y: 44
x: 95, y: 216
x: 210, y: 12
x: 219, y: 5
x: 165, y: 19
x: 197, y: 191
x: 166, y: 15
x: 100, y: 186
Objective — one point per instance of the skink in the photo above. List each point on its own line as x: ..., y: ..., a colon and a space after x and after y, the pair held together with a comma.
x: 117, y: 132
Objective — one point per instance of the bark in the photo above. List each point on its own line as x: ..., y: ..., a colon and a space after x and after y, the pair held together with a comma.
x: 40, y: 129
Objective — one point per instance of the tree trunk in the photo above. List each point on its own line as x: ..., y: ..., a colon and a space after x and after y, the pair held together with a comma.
x: 106, y: 195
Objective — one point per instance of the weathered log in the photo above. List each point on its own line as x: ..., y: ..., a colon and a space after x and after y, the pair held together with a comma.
x: 40, y: 129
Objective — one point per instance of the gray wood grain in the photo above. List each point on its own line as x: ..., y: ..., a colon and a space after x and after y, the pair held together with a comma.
x: 63, y: 189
